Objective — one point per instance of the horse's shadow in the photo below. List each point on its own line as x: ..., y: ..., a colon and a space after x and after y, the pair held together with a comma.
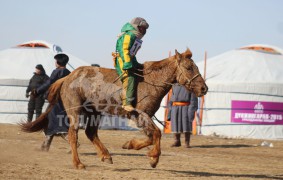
x: 192, y: 173
x: 206, y: 174
x: 224, y: 146
x: 200, y: 146
x: 113, y: 154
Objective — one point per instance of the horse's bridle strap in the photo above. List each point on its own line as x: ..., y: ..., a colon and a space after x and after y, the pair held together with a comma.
x: 189, y: 81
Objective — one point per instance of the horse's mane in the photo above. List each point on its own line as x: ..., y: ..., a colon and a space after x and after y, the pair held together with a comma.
x: 156, y: 65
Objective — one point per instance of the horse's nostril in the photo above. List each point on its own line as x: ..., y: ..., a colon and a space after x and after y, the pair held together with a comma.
x: 203, y: 89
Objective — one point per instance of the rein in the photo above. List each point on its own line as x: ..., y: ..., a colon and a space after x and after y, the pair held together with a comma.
x: 189, y: 81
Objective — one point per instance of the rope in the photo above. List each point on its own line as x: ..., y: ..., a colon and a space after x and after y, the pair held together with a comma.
x: 118, y: 77
x: 160, y: 122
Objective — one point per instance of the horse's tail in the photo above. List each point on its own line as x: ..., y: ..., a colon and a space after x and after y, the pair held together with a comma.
x: 42, y: 121
x: 39, y: 124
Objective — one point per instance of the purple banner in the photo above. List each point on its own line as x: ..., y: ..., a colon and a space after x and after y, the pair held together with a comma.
x: 257, y: 112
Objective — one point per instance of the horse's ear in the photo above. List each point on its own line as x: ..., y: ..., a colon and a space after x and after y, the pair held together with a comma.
x: 188, y: 54
x: 178, y: 56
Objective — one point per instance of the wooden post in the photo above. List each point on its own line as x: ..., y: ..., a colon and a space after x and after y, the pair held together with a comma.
x: 195, y: 130
x: 167, y: 128
x: 202, y: 98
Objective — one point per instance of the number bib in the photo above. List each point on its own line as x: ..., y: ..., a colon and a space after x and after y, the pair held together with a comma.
x: 136, y: 46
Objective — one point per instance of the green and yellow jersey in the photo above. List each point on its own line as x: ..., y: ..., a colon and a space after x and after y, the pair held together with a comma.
x: 127, y: 46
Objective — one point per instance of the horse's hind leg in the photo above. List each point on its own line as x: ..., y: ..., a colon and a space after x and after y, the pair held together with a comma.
x: 92, y: 134
x: 154, y: 137
x: 73, y: 108
x: 73, y: 115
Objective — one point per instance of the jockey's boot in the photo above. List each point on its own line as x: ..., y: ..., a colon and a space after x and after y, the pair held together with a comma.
x: 129, y: 108
x: 177, y: 141
x: 46, y: 143
x: 187, y: 139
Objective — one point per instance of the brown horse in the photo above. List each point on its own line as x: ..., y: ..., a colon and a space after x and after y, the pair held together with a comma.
x: 96, y: 91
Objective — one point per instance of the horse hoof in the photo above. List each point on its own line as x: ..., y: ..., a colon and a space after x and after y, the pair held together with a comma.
x: 126, y: 145
x: 107, y: 160
x: 80, y: 166
x: 153, y: 161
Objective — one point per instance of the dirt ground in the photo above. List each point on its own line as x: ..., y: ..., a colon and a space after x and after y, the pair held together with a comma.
x: 209, y: 158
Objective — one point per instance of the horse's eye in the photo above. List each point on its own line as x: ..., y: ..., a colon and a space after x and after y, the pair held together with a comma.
x: 190, y: 68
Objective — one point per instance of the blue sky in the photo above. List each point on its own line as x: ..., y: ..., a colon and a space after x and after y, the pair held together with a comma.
x: 88, y: 29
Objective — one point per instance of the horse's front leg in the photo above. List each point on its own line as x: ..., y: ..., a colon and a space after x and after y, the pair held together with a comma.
x: 91, y: 132
x: 155, y: 152
x: 154, y: 137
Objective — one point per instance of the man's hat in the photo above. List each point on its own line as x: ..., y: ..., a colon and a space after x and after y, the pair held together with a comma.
x: 140, y: 22
x: 62, y: 59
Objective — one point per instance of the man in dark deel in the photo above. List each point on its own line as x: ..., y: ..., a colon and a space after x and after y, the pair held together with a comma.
x: 36, y: 103
x: 57, y: 124
x: 182, y: 107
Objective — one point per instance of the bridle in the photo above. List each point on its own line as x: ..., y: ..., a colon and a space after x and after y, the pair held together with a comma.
x: 189, y: 81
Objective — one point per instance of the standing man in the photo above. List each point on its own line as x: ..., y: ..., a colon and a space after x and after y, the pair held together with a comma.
x: 182, y: 107
x: 36, y: 103
x: 125, y: 62
x: 57, y: 124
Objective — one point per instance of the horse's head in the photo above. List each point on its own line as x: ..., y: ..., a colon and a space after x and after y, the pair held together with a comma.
x: 188, y: 74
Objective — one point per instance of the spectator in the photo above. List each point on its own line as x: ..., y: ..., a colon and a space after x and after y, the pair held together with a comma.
x: 56, y: 118
x: 36, y: 103
x: 182, y: 107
